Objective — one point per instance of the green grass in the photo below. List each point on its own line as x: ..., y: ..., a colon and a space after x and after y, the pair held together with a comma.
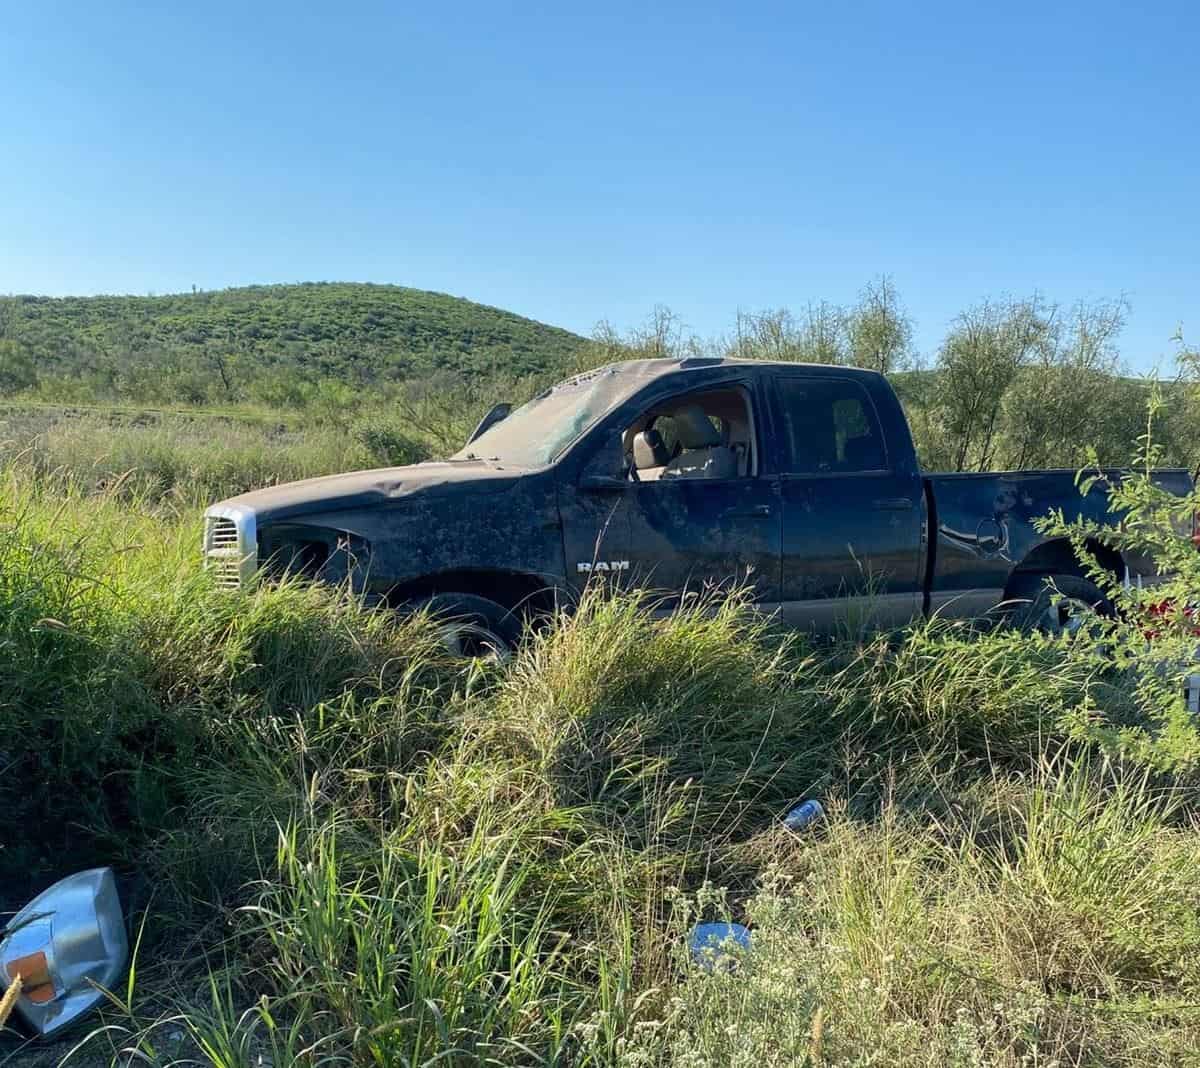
x: 1031, y: 933
x: 344, y: 849
x: 186, y: 459
x: 341, y: 848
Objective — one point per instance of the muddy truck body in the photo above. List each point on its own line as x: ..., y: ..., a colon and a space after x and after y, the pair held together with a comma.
x: 798, y: 482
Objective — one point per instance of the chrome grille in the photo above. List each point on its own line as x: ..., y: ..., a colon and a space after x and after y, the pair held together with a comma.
x: 228, y: 572
x: 222, y: 534
x: 230, y: 546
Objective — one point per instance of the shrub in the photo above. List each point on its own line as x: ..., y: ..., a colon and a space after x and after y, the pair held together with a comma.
x: 387, y: 444
x: 1154, y: 634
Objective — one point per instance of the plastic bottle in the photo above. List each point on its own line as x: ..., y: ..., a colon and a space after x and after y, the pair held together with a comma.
x: 804, y: 815
x: 718, y: 944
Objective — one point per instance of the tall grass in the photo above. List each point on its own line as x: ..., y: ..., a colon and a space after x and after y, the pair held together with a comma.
x: 189, y: 460
x: 899, y: 943
x: 193, y: 461
x: 348, y: 849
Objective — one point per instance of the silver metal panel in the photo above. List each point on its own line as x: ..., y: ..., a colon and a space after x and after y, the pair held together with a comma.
x: 829, y: 615
x: 963, y: 604
x: 231, y: 544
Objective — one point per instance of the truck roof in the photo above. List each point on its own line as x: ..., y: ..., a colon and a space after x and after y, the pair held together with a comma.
x: 655, y: 368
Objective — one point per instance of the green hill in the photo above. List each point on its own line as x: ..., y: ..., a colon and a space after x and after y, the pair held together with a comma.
x: 208, y: 342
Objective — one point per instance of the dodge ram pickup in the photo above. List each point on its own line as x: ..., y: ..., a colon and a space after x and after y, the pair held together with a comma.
x: 799, y: 482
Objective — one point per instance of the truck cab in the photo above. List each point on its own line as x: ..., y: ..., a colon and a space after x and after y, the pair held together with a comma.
x: 799, y: 482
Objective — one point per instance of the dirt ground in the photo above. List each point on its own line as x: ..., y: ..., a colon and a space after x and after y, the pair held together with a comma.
x: 14, y: 1054
x: 170, y: 1044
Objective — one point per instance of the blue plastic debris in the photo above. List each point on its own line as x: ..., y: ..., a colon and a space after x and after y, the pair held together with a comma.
x: 718, y: 943
x: 804, y: 815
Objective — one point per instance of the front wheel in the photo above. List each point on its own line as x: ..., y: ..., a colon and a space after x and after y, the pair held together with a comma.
x: 1055, y: 604
x: 472, y: 627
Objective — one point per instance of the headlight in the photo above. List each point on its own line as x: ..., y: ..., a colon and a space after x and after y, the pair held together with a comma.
x: 65, y: 945
x: 312, y: 551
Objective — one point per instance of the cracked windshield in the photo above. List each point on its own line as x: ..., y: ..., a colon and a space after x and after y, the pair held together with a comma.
x: 538, y: 431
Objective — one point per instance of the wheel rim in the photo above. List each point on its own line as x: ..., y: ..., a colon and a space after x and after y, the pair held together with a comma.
x: 1066, y: 615
x: 469, y: 639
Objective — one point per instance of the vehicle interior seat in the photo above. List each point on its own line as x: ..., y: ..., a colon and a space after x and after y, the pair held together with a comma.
x: 704, y: 454
x: 650, y: 455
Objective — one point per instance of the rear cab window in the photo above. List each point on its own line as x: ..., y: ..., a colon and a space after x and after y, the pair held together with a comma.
x: 827, y: 426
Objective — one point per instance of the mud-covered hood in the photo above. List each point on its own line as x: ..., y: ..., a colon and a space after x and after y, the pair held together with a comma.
x: 359, y: 489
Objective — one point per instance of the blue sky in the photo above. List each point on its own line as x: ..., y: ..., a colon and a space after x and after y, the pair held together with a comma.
x: 576, y: 162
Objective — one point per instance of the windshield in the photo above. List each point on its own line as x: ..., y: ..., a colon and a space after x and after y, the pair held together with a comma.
x: 537, y: 432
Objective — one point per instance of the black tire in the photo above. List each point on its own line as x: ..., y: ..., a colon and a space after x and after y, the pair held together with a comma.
x: 1054, y: 604
x: 474, y: 627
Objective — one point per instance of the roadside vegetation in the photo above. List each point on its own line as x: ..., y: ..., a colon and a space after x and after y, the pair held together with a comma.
x: 271, y: 380
x: 338, y: 846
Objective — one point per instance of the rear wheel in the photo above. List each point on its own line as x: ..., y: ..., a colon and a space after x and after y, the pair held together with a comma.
x: 1055, y: 604
x: 473, y: 627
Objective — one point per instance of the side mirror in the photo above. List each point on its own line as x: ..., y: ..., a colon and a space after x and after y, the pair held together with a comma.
x: 64, y: 946
x: 494, y: 416
x: 608, y: 469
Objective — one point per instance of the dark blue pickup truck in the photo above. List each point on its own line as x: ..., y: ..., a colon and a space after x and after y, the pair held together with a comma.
x: 799, y: 481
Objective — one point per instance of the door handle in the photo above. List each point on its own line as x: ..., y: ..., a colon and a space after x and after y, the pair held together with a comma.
x: 892, y: 504
x: 759, y: 511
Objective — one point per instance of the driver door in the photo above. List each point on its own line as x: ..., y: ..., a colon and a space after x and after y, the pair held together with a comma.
x: 706, y: 517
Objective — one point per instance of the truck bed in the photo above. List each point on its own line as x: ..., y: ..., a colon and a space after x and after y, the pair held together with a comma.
x: 981, y: 526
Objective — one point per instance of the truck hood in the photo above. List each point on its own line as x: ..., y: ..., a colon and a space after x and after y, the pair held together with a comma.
x: 359, y: 489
